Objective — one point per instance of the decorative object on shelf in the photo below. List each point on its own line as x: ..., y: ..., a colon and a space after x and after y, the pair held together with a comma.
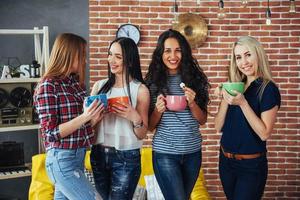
x: 20, y: 97
x: 5, y: 72
x: 11, y: 154
x: 268, y: 15
x: 17, y: 109
x: 221, y: 11
x: 193, y: 27
x: 3, y: 98
x: 34, y: 69
x: 130, y: 31
x: 292, y: 6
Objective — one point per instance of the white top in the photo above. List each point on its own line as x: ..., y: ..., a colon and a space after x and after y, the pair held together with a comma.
x: 115, y: 131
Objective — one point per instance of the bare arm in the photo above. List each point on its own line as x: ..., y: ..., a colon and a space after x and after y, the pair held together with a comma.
x: 91, y: 112
x: 138, y: 116
x: 197, y: 112
x: 262, y: 126
x: 142, y: 107
x: 160, y: 108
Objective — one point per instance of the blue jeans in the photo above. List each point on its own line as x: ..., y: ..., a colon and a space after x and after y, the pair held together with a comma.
x: 243, y: 179
x: 176, y: 174
x: 116, y: 173
x: 65, y: 168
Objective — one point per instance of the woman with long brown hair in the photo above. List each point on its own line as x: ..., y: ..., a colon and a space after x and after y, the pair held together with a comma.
x: 66, y: 128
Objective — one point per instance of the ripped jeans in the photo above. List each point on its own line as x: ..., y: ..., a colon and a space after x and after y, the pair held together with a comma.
x: 65, y: 168
x: 116, y: 173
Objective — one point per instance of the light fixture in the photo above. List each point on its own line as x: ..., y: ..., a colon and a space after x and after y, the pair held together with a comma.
x: 175, y: 20
x: 221, y: 12
x: 244, y: 3
x: 268, y: 15
x: 292, y: 6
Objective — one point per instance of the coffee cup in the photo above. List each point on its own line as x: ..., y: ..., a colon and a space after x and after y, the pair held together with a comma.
x: 115, y: 101
x: 100, y: 97
x: 176, y: 102
x: 230, y: 86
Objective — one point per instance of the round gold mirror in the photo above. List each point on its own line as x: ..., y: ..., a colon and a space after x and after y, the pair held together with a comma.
x: 193, y: 27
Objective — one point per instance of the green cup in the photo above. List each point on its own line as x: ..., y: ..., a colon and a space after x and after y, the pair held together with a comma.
x: 229, y: 86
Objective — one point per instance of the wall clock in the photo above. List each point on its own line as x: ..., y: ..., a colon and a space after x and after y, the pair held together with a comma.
x: 130, y: 31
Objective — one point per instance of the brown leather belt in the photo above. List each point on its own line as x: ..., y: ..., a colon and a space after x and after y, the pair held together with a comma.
x: 241, y: 156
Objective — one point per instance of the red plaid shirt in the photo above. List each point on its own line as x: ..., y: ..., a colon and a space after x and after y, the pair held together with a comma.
x: 58, y: 101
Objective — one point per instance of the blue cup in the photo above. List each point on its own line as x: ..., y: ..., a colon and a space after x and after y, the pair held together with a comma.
x: 101, y: 97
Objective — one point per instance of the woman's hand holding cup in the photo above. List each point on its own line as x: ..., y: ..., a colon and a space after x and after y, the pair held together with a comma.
x: 160, y: 104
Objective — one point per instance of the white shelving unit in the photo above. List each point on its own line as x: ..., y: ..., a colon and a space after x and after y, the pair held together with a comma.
x: 41, y: 52
x: 42, y: 56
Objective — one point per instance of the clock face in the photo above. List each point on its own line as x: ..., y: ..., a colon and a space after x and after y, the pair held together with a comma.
x: 129, y: 30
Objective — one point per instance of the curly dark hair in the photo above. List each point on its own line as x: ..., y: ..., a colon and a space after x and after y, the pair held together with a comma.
x: 131, y: 63
x: 191, y: 73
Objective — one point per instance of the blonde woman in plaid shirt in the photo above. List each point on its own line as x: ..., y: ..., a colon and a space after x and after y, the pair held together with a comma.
x: 66, y: 129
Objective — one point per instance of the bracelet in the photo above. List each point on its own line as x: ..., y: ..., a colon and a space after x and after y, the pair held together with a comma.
x: 139, y: 125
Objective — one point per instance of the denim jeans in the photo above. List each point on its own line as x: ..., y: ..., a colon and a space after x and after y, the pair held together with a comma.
x: 116, y: 173
x: 243, y: 179
x: 176, y: 174
x: 65, y: 168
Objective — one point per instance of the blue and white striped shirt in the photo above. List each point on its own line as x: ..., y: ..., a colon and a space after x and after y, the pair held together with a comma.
x: 177, y: 132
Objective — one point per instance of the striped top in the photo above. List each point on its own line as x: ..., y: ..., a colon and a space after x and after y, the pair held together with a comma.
x: 177, y: 132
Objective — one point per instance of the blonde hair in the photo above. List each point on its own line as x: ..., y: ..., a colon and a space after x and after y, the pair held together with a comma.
x: 66, y: 49
x: 263, y: 68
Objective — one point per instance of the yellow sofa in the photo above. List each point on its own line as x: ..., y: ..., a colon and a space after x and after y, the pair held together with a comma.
x: 42, y: 188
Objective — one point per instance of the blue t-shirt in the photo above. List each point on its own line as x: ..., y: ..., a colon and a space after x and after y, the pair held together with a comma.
x: 177, y: 132
x: 238, y: 136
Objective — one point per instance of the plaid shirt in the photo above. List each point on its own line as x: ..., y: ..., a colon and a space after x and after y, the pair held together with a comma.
x: 58, y: 101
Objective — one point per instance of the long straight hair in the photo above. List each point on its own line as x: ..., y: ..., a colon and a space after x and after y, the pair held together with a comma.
x: 66, y: 49
x: 263, y: 69
x: 131, y: 65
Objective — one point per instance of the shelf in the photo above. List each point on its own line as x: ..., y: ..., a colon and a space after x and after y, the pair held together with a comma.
x: 19, y: 128
x: 21, y: 31
x: 20, y: 80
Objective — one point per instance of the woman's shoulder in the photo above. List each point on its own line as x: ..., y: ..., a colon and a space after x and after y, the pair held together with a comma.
x: 271, y: 87
x: 143, y: 91
x: 97, y: 85
x: 101, y: 82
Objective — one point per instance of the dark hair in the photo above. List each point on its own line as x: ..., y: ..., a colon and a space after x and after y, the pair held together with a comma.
x: 191, y: 73
x: 131, y: 64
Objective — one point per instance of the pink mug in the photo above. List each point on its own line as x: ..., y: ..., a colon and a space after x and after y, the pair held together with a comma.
x: 176, y: 102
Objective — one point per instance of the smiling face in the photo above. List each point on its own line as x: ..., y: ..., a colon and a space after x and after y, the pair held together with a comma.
x: 172, y: 55
x: 246, y: 60
x: 115, y: 59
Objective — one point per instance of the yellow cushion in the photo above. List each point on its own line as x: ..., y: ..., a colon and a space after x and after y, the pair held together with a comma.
x: 40, y: 187
x: 199, y: 191
x: 87, y: 161
x: 146, y: 162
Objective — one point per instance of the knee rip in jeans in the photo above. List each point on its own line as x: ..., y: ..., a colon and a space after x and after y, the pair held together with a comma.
x: 119, y: 188
x: 76, y: 174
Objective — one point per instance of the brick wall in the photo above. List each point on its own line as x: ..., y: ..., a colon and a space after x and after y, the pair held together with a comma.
x: 281, y: 41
